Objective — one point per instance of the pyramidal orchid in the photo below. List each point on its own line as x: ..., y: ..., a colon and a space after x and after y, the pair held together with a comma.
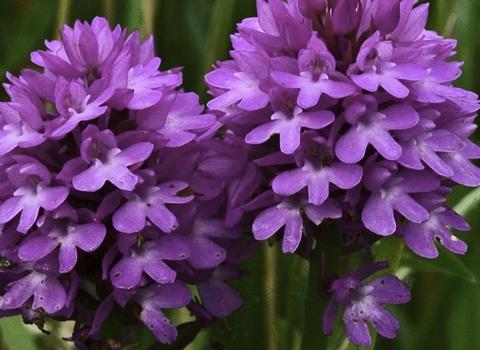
x: 109, y: 193
x: 352, y: 117
x: 335, y: 125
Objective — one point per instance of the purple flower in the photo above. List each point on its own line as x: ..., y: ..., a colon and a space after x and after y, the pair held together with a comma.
x: 354, y: 122
x: 149, y: 202
x: 358, y: 76
x: 390, y: 190
x: 107, y: 162
x: 151, y: 300
x: 219, y: 299
x: 206, y: 252
x: 120, y: 177
x: 317, y: 172
x: 60, y: 229
x: 162, y: 296
x: 288, y: 122
x: 288, y: 213
x: 178, y: 120
x: 377, y: 66
x: 317, y: 76
x: 147, y: 256
x: 33, y: 192
x: 16, y: 130
x: 363, y: 303
x: 421, y: 237
x: 42, y: 283
x: 425, y: 144
x: 239, y: 86
x: 371, y: 126
x: 74, y: 106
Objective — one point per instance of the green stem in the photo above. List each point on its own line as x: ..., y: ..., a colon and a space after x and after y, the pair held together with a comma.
x: 314, y: 306
x: 134, y: 15
x: 270, y: 296
x: 62, y: 15
x: 313, y: 337
x: 149, y: 8
x: 296, y: 280
x: 108, y: 8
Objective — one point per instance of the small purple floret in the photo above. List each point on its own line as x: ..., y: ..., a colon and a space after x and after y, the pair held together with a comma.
x: 362, y: 303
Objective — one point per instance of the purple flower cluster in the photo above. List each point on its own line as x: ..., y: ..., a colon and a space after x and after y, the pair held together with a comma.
x: 112, y: 189
x: 351, y: 116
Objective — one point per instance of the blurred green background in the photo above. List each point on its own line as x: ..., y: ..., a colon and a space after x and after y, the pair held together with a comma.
x: 445, y: 309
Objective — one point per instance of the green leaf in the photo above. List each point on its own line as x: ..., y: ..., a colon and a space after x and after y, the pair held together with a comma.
x: 14, y: 335
x: 464, y: 317
x: 469, y: 203
x: 466, y: 31
x: 22, y: 30
x: 391, y: 250
x: 446, y: 263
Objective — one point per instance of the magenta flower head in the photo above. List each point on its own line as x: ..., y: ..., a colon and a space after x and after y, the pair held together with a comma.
x: 112, y: 192
x: 351, y: 115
